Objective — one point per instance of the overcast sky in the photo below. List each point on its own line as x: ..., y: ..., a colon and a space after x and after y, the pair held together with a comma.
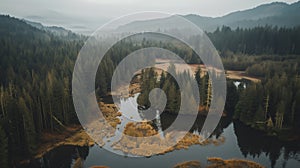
x: 80, y: 12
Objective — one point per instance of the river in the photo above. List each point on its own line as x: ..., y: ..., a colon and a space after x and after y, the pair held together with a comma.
x: 241, y: 142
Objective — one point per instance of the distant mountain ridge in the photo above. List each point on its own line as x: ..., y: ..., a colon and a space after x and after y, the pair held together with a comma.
x: 274, y: 14
x: 11, y: 26
x: 59, y: 31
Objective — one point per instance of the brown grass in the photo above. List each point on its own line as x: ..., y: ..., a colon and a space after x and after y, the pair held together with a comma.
x: 188, y: 164
x: 232, y: 163
x: 216, y: 162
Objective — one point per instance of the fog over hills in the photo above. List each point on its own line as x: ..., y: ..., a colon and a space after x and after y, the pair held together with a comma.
x: 274, y: 14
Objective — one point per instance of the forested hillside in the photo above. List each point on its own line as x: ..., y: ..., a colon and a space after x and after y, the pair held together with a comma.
x: 35, y: 81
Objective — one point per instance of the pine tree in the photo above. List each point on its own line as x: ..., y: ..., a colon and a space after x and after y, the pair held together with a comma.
x: 203, y: 89
x: 279, y: 115
x: 172, y: 98
x: 232, y: 98
x: 198, y: 76
x: 209, y: 93
x: 29, y: 130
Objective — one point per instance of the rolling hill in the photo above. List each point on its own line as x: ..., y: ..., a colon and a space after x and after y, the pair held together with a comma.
x: 274, y: 14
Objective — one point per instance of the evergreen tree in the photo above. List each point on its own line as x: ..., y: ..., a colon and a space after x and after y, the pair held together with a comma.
x: 29, y: 130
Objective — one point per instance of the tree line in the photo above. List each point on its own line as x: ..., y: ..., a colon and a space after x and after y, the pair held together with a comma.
x: 273, y: 101
x: 165, y: 80
x: 258, y: 40
x: 35, y: 86
x: 272, y: 104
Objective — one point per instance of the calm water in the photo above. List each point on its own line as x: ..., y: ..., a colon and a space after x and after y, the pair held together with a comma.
x: 240, y: 142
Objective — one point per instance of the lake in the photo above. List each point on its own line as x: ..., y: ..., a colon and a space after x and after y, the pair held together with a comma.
x: 240, y: 142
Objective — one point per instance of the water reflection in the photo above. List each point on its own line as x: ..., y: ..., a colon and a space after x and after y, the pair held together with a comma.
x: 255, y: 143
x: 167, y: 120
x: 61, y: 157
x: 250, y: 144
x: 241, y: 142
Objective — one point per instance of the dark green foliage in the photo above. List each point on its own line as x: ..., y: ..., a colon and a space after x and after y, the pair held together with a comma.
x: 280, y: 93
x: 258, y: 40
x: 174, y: 94
x: 35, y: 81
x: 232, y: 98
x: 149, y: 81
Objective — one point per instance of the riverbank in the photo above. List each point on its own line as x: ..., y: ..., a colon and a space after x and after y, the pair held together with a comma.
x: 73, y: 135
